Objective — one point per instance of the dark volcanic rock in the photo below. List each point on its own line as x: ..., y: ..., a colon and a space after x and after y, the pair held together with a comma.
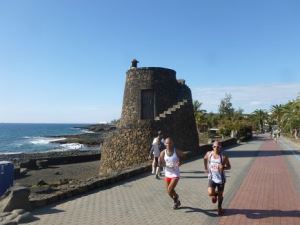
x: 41, y: 183
x: 42, y: 163
x: 15, y: 198
x: 98, y: 133
x: 99, y: 127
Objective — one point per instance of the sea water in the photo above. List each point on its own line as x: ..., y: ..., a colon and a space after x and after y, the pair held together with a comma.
x: 26, y: 138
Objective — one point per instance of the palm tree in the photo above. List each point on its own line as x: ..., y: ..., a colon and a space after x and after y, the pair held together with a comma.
x: 291, y: 117
x: 277, y: 112
x: 199, y: 114
x: 260, y: 116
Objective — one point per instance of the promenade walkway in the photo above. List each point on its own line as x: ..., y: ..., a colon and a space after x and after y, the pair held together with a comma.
x: 262, y: 188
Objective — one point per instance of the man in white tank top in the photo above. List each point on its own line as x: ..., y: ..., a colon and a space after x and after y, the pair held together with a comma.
x: 215, y: 163
x: 171, y: 158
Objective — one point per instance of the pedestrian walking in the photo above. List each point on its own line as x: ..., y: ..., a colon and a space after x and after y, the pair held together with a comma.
x: 155, y: 151
x: 157, y: 143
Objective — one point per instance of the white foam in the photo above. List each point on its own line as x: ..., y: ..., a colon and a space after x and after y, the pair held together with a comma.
x: 11, y: 153
x: 44, y: 140
x: 56, y: 150
x: 72, y: 146
x: 88, y: 131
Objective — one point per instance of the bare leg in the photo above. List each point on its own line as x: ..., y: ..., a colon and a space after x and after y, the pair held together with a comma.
x: 153, y: 166
x: 213, y: 194
x: 171, y: 188
x: 220, y: 201
x: 157, y: 171
x: 211, y: 191
x: 172, y: 193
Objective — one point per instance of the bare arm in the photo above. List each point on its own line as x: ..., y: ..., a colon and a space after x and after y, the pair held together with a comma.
x: 226, y: 163
x: 161, y: 161
x: 151, y: 152
x: 205, y: 160
x: 181, y: 155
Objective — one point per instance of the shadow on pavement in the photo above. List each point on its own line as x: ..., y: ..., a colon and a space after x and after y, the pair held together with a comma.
x: 47, y: 211
x: 259, y: 214
x: 208, y: 212
x: 192, y: 177
x: 189, y: 174
x: 30, y: 220
x: 39, y: 212
x: 192, y: 171
x: 260, y: 153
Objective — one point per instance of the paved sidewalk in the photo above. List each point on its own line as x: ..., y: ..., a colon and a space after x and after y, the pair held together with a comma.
x: 268, y: 194
x: 143, y: 200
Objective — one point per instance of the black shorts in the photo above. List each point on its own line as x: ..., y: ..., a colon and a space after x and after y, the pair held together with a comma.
x: 214, y: 185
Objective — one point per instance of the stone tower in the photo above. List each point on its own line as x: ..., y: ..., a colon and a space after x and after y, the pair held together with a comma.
x: 153, y: 100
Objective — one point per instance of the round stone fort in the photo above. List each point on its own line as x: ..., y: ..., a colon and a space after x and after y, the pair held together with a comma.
x: 153, y: 100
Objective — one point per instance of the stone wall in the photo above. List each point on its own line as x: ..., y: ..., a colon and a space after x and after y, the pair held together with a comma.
x: 126, y: 148
x: 182, y: 128
x: 161, y: 80
x: 130, y: 145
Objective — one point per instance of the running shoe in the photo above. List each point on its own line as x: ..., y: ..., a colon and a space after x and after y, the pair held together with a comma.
x: 221, y: 212
x: 177, y: 204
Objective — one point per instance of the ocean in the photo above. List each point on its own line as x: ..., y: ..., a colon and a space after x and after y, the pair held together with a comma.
x: 29, y: 138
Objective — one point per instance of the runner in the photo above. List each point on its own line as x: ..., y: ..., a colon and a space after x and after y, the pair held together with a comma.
x: 171, y: 158
x: 215, y: 163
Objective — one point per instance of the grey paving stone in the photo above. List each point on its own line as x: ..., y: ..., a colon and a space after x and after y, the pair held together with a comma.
x: 145, y: 201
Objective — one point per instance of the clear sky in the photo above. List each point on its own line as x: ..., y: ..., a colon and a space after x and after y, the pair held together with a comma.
x: 65, y: 61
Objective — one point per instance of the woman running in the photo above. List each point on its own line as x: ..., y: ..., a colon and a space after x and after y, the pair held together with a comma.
x: 171, y: 158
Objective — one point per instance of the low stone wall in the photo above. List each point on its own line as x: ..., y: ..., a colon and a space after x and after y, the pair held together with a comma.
x: 35, y: 163
x: 102, y: 182
x: 89, y: 185
x: 126, y: 148
x: 225, y: 143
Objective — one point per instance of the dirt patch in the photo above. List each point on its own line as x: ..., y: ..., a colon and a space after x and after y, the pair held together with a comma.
x: 56, y: 173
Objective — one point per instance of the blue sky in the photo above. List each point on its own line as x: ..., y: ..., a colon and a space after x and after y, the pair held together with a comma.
x: 65, y: 61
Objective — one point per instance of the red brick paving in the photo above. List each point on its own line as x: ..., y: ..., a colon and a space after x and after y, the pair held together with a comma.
x: 267, y: 194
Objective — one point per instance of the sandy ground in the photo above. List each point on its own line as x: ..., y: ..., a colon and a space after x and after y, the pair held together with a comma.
x: 53, y: 174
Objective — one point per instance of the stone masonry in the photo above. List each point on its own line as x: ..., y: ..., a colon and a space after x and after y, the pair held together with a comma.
x: 153, y: 100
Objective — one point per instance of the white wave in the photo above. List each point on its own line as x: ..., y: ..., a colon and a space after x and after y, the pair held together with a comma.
x: 72, y: 146
x: 56, y: 150
x: 26, y: 137
x: 88, y: 131
x: 11, y: 153
x: 44, y: 140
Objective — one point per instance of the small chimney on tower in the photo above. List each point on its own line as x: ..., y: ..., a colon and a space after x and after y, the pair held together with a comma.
x: 134, y: 63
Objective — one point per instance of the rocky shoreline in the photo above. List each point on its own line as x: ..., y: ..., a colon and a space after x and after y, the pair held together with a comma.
x: 92, y: 139
x: 94, y: 136
x: 51, y: 171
